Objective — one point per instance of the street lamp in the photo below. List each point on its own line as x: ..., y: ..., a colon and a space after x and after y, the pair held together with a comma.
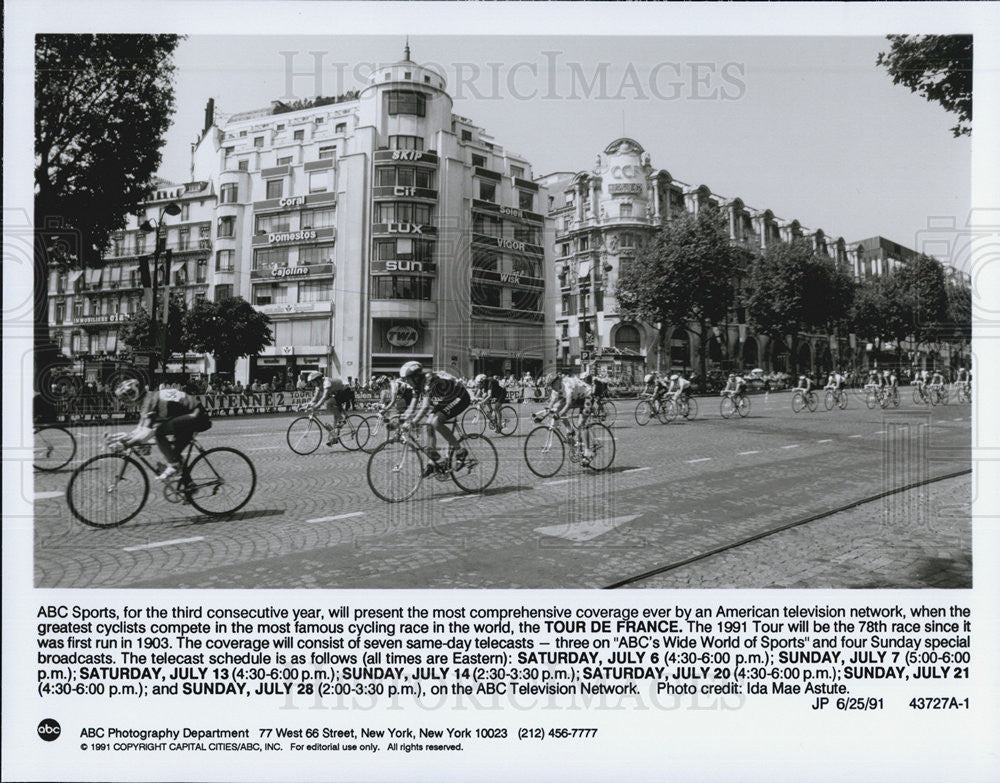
x: 149, y: 225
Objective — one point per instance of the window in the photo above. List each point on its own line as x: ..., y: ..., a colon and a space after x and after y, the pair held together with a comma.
x: 488, y: 225
x: 201, y: 270
x: 317, y: 218
x: 466, y: 135
x: 185, y: 212
x: 528, y: 234
x: 61, y: 279
x: 243, y: 134
x: 224, y: 260
x: 406, y: 143
x: 570, y: 197
x: 181, y: 275
x: 299, y: 135
x: 272, y: 293
x: 626, y: 239
x: 140, y: 244
x: 523, y: 299
x: 200, y: 297
x: 485, y: 294
x: 479, y: 160
x: 280, y: 127
x: 60, y: 312
x: 625, y: 209
x: 267, y: 224
x: 388, y: 176
x: 244, y: 165
x: 77, y: 308
x: 517, y: 171
x: 564, y: 249
x: 404, y: 212
x: 487, y: 190
x: 482, y: 259
x: 319, y: 181
x: 223, y: 292
x: 259, y: 141
x: 327, y: 153
x: 274, y: 188
x: 286, y: 161
x: 401, y: 287
x: 567, y: 222
x: 526, y: 200
x: 316, y: 291
x: 407, y: 102
x: 226, y: 227
x: 183, y: 239
x: 341, y: 127
x: 320, y: 120
x: 316, y: 254
x: 583, y: 243
x: 266, y: 256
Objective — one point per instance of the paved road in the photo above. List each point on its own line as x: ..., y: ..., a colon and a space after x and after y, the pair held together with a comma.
x: 674, y: 491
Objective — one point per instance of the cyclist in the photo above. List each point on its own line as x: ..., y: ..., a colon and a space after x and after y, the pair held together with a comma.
x: 651, y: 384
x: 491, y: 392
x: 599, y: 385
x: 395, y: 396
x: 569, y: 393
x: 805, y: 386
x: 736, y: 385
x: 937, y: 381
x: 680, y: 387
x: 335, y: 392
x: 164, y: 413
x: 835, y: 382
x: 443, y: 397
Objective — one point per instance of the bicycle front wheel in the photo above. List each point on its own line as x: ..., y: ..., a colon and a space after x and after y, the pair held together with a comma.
x: 376, y: 434
x: 870, y: 400
x: 743, y: 406
x: 544, y: 451
x: 798, y: 402
x: 812, y: 402
x: 842, y: 401
x: 609, y: 414
x: 480, y: 465
x: 107, y: 490
x: 473, y: 421
x: 667, y: 412
x: 354, y: 433
x: 829, y: 400
x: 726, y: 407
x: 220, y: 481
x: 691, y: 409
x: 508, y: 420
x: 55, y: 448
x: 643, y: 413
x: 304, y: 435
x: 394, y: 471
x: 602, y: 445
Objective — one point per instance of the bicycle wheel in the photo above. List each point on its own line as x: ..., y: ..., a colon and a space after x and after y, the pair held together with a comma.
x: 829, y: 400
x: 812, y: 402
x: 743, y: 406
x: 842, y: 401
x: 304, y: 435
x: 508, y: 420
x: 107, y: 490
x: 544, y: 451
x: 55, y: 448
x: 643, y: 412
x: 883, y: 400
x: 354, y: 432
x: 918, y: 398
x: 479, y: 467
x: 944, y: 396
x: 473, y: 421
x: 870, y: 400
x: 219, y: 481
x: 602, y: 444
x: 726, y: 407
x: 668, y: 412
x: 798, y: 402
x: 690, y: 409
x: 394, y: 471
x: 376, y: 434
x: 609, y: 413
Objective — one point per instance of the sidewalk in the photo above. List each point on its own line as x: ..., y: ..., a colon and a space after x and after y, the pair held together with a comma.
x: 919, y: 538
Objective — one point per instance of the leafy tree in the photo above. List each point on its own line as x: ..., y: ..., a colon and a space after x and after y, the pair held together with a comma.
x: 136, y: 331
x: 926, y: 289
x: 683, y: 274
x: 959, y: 323
x: 883, y: 309
x: 102, y: 105
x: 228, y: 330
x: 937, y: 67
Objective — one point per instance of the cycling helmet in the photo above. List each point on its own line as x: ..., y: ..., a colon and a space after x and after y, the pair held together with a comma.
x: 649, y: 378
x: 674, y: 377
x: 128, y: 390
x: 732, y: 376
x: 479, y: 379
x: 315, y: 375
x: 410, y: 368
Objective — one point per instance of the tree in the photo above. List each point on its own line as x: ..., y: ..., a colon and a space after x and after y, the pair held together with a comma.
x: 102, y: 105
x: 882, y: 310
x: 683, y: 274
x: 937, y: 67
x: 959, y: 326
x: 136, y: 331
x: 228, y: 330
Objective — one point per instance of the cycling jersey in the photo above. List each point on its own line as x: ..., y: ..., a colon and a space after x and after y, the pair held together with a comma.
x: 493, y: 390
x: 737, y: 385
x: 398, y: 396
x: 680, y: 385
x: 836, y: 380
x: 165, y: 404
x: 445, y: 393
x: 805, y: 388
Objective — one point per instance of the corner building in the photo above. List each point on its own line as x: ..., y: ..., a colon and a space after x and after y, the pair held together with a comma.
x: 377, y: 228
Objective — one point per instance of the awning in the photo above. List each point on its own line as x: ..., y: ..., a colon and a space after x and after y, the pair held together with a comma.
x: 93, y: 276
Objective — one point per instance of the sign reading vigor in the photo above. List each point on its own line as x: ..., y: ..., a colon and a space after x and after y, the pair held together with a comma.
x: 402, y: 336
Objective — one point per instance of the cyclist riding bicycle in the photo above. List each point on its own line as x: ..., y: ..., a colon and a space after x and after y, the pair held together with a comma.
x: 491, y: 392
x: 805, y: 385
x: 937, y: 380
x: 335, y: 392
x: 652, y: 385
x: 164, y: 413
x: 736, y: 385
x: 835, y: 381
x: 569, y: 393
x: 680, y: 387
x: 396, y: 396
x: 599, y: 385
x: 443, y: 397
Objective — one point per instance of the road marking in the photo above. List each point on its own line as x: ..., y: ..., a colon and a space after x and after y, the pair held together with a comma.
x: 560, y: 481
x: 855, y: 436
x: 266, y: 448
x: 700, y: 459
x: 48, y: 495
x: 793, y: 446
x: 825, y: 440
x: 584, y: 531
x: 635, y: 470
x: 164, y: 543
x: 880, y: 432
x: 962, y: 419
x: 745, y: 453
x: 339, y: 516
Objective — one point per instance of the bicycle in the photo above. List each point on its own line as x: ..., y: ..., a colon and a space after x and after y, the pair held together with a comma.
x: 684, y: 406
x: 649, y: 408
x: 305, y: 434
x: 396, y: 467
x: 836, y: 397
x: 731, y: 404
x: 478, y: 415
x: 110, y: 489
x: 920, y: 395
x: 545, y: 447
x: 54, y: 447
x: 964, y: 392
x: 802, y: 400
x: 939, y: 395
x: 872, y: 395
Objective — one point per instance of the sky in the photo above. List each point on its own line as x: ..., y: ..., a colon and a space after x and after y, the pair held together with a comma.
x: 809, y: 127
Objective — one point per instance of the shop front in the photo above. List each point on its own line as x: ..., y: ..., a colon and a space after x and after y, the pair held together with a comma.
x: 396, y: 341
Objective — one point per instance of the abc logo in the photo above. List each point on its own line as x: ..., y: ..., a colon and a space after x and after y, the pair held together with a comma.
x: 49, y: 729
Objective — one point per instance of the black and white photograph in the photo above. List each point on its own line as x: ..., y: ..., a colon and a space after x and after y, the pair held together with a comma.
x: 362, y: 370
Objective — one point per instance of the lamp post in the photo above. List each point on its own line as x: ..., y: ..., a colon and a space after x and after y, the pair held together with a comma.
x: 149, y: 225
